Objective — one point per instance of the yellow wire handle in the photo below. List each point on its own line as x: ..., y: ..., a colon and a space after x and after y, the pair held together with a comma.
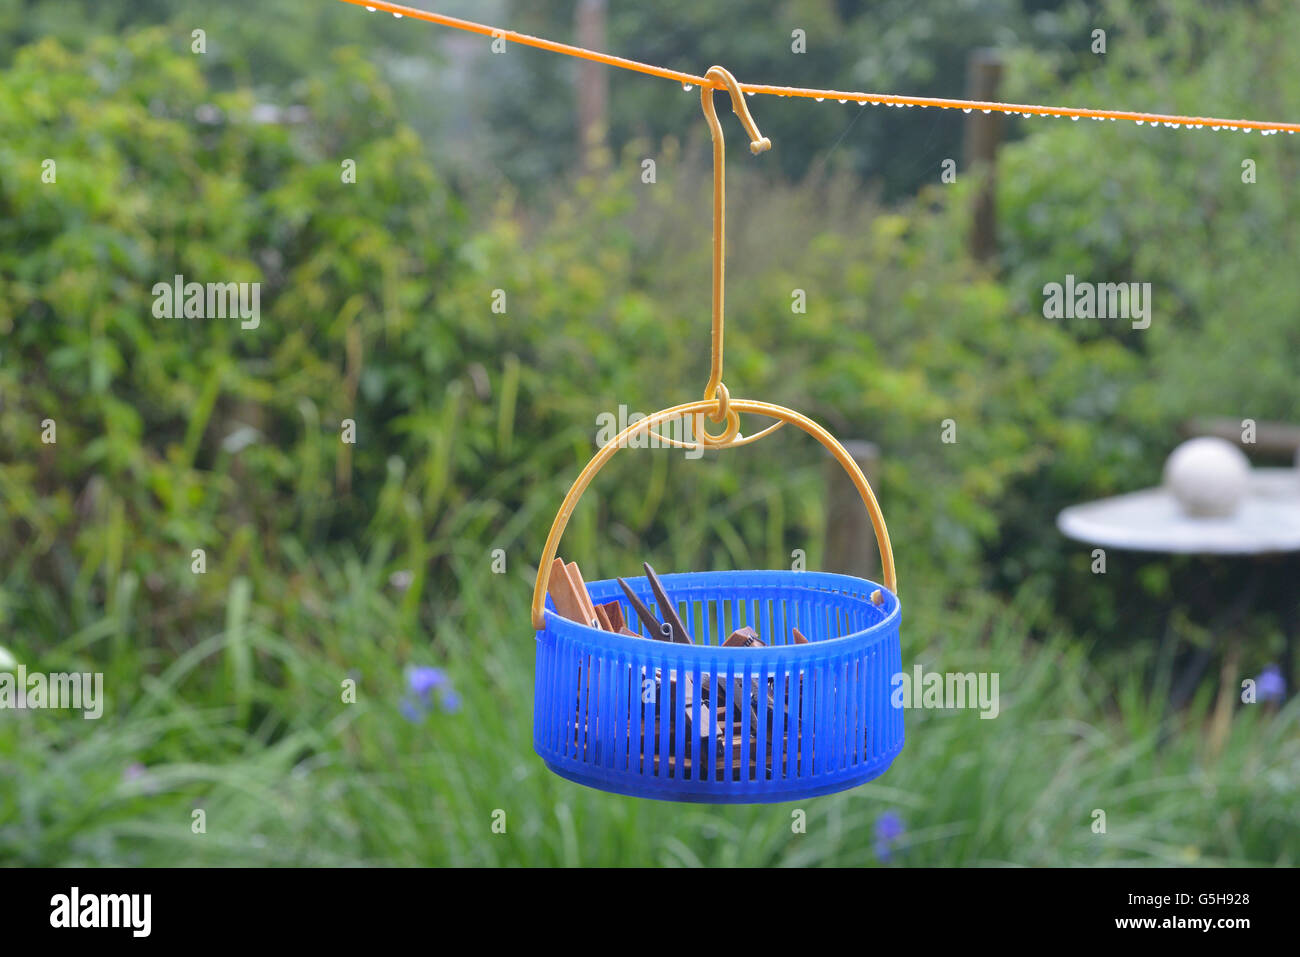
x: 758, y: 143
x: 695, y: 408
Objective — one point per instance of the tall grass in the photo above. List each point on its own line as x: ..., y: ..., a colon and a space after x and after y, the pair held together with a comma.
x: 250, y: 727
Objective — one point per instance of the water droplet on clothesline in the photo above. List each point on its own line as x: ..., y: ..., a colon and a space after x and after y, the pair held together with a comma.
x: 844, y: 101
x: 821, y: 99
x: 370, y: 9
x: 688, y: 87
x: 397, y: 15
x: 966, y: 110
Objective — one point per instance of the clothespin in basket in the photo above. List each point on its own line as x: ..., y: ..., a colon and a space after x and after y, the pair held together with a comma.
x: 748, y: 638
x: 743, y: 638
x: 580, y: 586
x: 671, y: 628
x: 666, y: 608
x: 652, y: 626
x: 613, y: 613
x: 569, y: 593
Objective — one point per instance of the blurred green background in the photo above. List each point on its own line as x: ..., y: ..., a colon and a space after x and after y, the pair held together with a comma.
x: 327, y: 561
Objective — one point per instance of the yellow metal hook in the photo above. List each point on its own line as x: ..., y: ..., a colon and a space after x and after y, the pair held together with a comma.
x: 758, y: 143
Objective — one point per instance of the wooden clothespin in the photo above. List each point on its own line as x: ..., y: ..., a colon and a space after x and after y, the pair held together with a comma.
x: 744, y: 638
x: 588, y: 609
x: 569, y: 592
x: 748, y: 638
x: 666, y: 608
x: 565, y: 594
x: 614, y: 614
x: 652, y: 624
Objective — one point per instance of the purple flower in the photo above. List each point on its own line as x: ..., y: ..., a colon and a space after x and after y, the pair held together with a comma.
x: 1270, y: 685
x: 422, y: 680
x: 413, y: 710
x: 889, y: 829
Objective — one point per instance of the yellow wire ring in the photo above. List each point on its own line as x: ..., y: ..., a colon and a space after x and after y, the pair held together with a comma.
x: 722, y: 413
x: 724, y: 438
x: 766, y: 409
x: 737, y: 442
x: 723, y: 395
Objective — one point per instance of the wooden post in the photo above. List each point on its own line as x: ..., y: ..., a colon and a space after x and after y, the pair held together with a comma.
x: 983, y: 136
x: 593, y: 81
x: 850, y: 538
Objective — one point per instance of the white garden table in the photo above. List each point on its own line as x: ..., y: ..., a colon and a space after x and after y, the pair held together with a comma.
x: 1265, y: 523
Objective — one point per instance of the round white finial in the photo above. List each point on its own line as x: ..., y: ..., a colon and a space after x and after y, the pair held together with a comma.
x: 1208, y: 476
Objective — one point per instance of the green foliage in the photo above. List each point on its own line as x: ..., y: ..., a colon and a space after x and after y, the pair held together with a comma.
x: 186, y: 434
x: 1170, y: 207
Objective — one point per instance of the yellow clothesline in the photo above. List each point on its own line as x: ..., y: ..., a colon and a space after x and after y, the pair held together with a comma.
x: 887, y: 99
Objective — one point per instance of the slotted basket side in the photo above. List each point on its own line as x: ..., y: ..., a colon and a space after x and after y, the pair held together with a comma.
x: 627, y: 715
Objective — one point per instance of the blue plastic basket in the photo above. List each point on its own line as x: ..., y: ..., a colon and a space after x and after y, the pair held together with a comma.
x: 803, y: 719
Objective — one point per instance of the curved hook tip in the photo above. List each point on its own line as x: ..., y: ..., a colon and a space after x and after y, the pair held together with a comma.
x: 758, y: 143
